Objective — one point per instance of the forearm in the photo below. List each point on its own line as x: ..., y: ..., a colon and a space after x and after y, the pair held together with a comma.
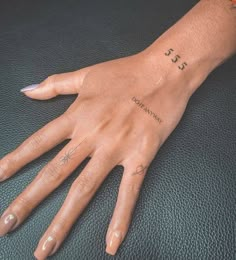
x: 199, y: 42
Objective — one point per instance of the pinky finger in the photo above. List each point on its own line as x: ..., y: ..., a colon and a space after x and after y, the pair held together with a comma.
x: 129, y: 190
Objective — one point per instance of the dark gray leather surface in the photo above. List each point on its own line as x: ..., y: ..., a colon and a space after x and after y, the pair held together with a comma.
x: 186, y: 209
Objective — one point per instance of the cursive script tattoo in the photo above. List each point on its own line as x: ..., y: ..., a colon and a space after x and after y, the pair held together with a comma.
x: 148, y: 111
x: 176, y: 59
x: 140, y: 169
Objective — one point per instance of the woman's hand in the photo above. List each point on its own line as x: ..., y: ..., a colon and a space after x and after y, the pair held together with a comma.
x: 125, y: 110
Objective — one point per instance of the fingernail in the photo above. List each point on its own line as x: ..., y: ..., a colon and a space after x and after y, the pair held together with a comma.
x: 30, y: 87
x: 113, y: 244
x: 108, y: 236
x: 7, y: 223
x: 46, y: 249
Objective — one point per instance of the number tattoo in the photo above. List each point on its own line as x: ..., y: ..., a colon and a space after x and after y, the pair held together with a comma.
x: 169, y: 52
x: 176, y: 59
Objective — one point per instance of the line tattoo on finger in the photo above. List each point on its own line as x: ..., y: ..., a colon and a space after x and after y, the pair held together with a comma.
x: 69, y: 154
x: 52, y: 169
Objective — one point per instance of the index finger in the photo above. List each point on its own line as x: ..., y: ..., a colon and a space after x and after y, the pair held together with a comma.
x: 37, y: 144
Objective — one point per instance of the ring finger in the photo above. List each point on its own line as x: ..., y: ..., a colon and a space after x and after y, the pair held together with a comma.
x: 80, y: 193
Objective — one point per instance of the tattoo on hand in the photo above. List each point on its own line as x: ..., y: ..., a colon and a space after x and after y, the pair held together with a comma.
x: 140, y: 169
x: 182, y: 66
x: 141, y: 105
x: 169, y: 52
x: 68, y: 155
x: 176, y: 58
x: 53, y: 169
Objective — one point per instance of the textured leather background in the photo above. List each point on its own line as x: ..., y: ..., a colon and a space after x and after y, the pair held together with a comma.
x: 186, y: 209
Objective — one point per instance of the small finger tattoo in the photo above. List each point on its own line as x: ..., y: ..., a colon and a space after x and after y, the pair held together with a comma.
x: 52, y: 170
x: 140, y: 169
x: 69, y: 154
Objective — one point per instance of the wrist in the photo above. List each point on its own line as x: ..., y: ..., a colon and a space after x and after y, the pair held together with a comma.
x: 162, y: 61
x: 199, y: 42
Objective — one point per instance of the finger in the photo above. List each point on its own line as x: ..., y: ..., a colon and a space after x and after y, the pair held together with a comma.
x: 48, y: 179
x: 34, y: 146
x: 130, y: 186
x: 57, y: 84
x: 80, y: 193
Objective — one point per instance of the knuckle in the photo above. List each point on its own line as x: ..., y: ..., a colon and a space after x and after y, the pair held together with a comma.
x: 24, y: 204
x: 29, y: 145
x: 84, y: 185
x: 101, y: 153
x: 51, y: 79
x: 8, y: 163
x: 67, y: 117
x: 50, y: 82
x: 133, y: 188
x: 59, y: 225
x: 146, y: 142
x: 51, y: 173
x: 34, y: 142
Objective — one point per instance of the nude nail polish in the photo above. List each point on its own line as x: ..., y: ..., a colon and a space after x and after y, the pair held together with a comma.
x: 30, y: 87
x: 114, y: 242
x: 7, y: 223
x: 46, y: 249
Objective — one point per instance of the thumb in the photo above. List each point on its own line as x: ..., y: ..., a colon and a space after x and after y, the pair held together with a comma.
x: 57, y: 84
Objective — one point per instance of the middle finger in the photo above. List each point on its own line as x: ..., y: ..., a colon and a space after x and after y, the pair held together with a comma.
x: 80, y: 193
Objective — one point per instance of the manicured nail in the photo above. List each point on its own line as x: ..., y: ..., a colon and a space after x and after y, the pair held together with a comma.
x: 46, y: 249
x: 7, y: 223
x: 30, y: 87
x: 113, y: 244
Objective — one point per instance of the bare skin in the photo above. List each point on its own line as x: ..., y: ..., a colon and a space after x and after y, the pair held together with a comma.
x: 124, y: 112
